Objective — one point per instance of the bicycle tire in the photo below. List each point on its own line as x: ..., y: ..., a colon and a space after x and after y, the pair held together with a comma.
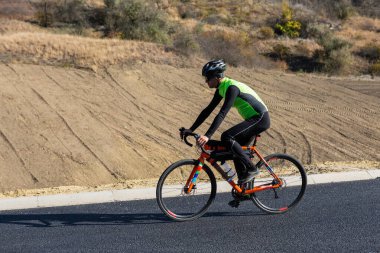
x: 178, y: 205
x: 293, y: 175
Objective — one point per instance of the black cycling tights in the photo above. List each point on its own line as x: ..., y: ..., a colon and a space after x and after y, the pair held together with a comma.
x: 240, y: 135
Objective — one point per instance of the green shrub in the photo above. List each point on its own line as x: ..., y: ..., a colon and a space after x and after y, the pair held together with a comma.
x: 138, y: 20
x: 339, y: 61
x: 290, y: 28
x: 186, y: 43
x: 287, y: 26
x: 315, y: 30
x: 331, y: 43
x: 335, y: 56
x: 287, y: 12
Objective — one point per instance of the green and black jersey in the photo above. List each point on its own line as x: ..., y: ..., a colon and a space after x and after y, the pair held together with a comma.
x: 235, y: 94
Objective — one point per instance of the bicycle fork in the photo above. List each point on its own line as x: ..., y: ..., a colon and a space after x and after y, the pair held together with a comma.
x: 191, y: 181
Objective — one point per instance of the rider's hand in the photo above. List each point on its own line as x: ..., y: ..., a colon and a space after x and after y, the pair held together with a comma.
x: 202, y: 140
x: 184, y: 132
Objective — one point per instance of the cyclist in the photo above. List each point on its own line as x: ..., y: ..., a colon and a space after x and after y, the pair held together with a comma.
x: 250, y: 107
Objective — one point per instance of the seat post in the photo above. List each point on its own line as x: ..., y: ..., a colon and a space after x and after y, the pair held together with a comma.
x: 253, y: 140
x: 256, y: 137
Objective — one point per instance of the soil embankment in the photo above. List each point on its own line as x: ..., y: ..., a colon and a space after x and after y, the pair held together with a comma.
x: 64, y: 126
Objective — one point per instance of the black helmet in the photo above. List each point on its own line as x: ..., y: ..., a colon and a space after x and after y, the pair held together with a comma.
x: 214, y: 68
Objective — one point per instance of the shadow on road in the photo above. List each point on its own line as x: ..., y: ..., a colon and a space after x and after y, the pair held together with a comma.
x: 95, y: 219
x: 81, y: 219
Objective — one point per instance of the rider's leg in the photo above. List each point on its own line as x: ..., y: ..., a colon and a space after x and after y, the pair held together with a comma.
x: 239, y: 135
x: 240, y: 168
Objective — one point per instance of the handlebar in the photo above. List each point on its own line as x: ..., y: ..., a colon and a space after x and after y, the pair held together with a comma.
x: 196, y: 136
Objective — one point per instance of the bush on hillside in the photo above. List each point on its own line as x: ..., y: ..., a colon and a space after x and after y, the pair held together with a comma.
x: 186, y: 43
x: 266, y: 32
x: 332, y: 9
x: 290, y: 28
x: 137, y: 20
x: 331, y: 43
x: 236, y: 48
x: 199, y: 28
x: 335, y: 56
x: 214, y: 19
x: 371, y: 52
x: 49, y: 12
x: 375, y: 69
x: 187, y: 11
x: 315, y: 30
x: 342, y: 9
x: 281, y: 52
x: 71, y: 12
x: 287, y: 26
x: 44, y: 13
x: 339, y: 61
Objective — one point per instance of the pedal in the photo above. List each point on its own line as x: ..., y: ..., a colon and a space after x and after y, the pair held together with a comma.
x: 234, y: 203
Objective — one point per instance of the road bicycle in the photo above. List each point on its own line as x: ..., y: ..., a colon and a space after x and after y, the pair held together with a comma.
x: 187, y: 188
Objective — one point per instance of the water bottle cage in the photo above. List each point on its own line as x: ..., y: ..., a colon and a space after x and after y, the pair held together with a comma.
x: 228, y: 171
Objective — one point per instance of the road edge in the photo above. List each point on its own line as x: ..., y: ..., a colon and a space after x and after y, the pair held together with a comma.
x: 106, y: 196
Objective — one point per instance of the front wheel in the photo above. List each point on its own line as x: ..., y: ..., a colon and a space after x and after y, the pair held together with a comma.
x: 174, y: 200
x: 293, y: 177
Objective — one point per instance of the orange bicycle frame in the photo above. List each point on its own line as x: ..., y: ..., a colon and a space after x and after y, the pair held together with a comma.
x: 206, y: 157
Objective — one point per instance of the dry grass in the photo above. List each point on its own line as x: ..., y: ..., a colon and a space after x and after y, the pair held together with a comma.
x: 305, y: 47
x: 230, y: 12
x: 16, y: 9
x: 67, y: 50
x: 360, y: 31
x: 8, y: 26
x: 240, y: 22
x: 96, y: 3
x: 23, y: 9
x: 365, y: 23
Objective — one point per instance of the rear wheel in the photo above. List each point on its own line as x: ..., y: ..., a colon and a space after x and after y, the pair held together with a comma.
x: 172, y: 197
x: 294, y: 180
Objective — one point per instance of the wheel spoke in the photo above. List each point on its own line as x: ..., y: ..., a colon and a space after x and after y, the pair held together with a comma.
x: 171, y: 195
x: 293, y: 176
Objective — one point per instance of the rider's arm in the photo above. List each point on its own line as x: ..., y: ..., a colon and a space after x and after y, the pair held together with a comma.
x: 207, y: 111
x: 231, y: 94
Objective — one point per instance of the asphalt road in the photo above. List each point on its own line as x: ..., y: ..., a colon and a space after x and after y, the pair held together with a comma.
x: 342, y: 217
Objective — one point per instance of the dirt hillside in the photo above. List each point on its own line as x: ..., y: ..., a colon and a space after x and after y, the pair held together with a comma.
x: 64, y: 126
